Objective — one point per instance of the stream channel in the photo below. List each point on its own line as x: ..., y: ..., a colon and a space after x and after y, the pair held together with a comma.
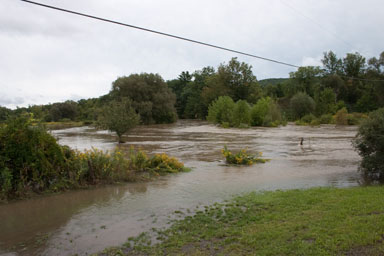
x: 87, y: 221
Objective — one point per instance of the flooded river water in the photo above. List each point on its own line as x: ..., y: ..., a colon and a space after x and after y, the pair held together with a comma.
x: 86, y: 221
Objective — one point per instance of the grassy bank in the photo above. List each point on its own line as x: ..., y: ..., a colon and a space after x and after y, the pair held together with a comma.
x: 319, y: 221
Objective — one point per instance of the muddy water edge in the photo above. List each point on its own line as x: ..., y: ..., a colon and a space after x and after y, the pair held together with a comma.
x: 86, y: 221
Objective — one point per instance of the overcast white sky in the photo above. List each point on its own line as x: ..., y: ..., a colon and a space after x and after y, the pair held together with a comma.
x: 48, y: 56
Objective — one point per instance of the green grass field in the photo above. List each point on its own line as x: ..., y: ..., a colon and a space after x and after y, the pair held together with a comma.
x: 319, y: 221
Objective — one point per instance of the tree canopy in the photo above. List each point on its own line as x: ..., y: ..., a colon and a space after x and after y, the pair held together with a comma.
x: 149, y: 95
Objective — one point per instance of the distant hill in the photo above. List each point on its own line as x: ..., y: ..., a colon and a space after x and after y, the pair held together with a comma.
x: 273, y: 81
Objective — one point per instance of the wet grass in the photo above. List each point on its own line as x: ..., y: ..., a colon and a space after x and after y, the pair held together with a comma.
x: 319, y: 221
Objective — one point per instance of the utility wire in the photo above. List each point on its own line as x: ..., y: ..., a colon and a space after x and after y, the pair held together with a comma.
x: 176, y: 37
x: 160, y: 33
x: 335, y: 35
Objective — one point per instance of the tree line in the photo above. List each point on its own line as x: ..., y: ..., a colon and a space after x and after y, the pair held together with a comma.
x: 351, y: 84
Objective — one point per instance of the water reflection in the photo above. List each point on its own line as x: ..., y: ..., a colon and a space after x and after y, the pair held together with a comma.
x: 90, y: 220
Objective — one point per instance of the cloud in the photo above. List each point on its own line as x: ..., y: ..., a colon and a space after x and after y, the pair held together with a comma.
x: 10, y: 101
x: 311, y: 61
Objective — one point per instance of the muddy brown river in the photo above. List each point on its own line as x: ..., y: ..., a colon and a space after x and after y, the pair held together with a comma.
x: 87, y: 221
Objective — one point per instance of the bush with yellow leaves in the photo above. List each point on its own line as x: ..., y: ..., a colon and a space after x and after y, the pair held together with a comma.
x: 242, y: 157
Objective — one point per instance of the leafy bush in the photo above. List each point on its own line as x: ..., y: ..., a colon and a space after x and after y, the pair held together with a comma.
x: 242, y: 114
x: 325, y: 101
x: 95, y: 166
x: 326, y: 119
x: 307, y: 119
x: 260, y: 110
x: 242, y: 157
x: 356, y: 118
x: 369, y: 142
x: 162, y: 163
x: 266, y: 113
x: 341, y: 117
x: 30, y: 158
x: 221, y: 110
x: 302, y: 104
x: 119, y: 117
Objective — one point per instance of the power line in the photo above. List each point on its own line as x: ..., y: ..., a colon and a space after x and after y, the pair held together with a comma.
x: 160, y: 33
x: 317, y: 24
x: 177, y: 37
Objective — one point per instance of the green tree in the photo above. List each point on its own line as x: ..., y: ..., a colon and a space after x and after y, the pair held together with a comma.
x: 63, y: 110
x: 149, y: 95
x: 4, y: 113
x: 331, y: 64
x: 235, y: 80
x: 353, y: 65
x: 367, y: 102
x: 306, y: 79
x: 241, y: 113
x: 119, y: 117
x: 265, y: 113
x: 337, y: 84
x: 302, y: 104
x: 325, y: 102
x: 196, y: 107
x: 369, y: 142
x: 221, y: 110
x: 178, y: 87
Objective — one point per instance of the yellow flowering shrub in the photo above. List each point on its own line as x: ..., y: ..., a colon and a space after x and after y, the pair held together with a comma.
x: 162, y: 163
x: 242, y: 157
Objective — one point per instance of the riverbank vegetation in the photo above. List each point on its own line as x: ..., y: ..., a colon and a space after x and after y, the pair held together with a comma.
x: 31, y: 161
x: 318, y: 221
x: 119, y: 117
x: 311, y: 95
x: 369, y: 142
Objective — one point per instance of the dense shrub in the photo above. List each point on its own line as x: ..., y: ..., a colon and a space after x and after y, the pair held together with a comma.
x: 260, y: 110
x: 30, y: 158
x: 326, y: 119
x: 356, y: 118
x: 242, y: 114
x: 302, y: 104
x: 265, y: 113
x: 307, y: 119
x: 221, y: 110
x: 242, y: 157
x: 341, y: 117
x: 369, y: 142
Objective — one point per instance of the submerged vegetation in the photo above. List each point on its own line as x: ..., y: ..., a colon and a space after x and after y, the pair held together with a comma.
x: 318, y: 221
x: 242, y: 157
x: 119, y: 117
x: 31, y: 161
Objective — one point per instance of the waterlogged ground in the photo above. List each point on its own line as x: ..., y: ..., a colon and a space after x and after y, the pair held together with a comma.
x: 87, y: 221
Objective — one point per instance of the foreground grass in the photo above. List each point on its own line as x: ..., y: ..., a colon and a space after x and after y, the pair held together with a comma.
x: 320, y: 221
